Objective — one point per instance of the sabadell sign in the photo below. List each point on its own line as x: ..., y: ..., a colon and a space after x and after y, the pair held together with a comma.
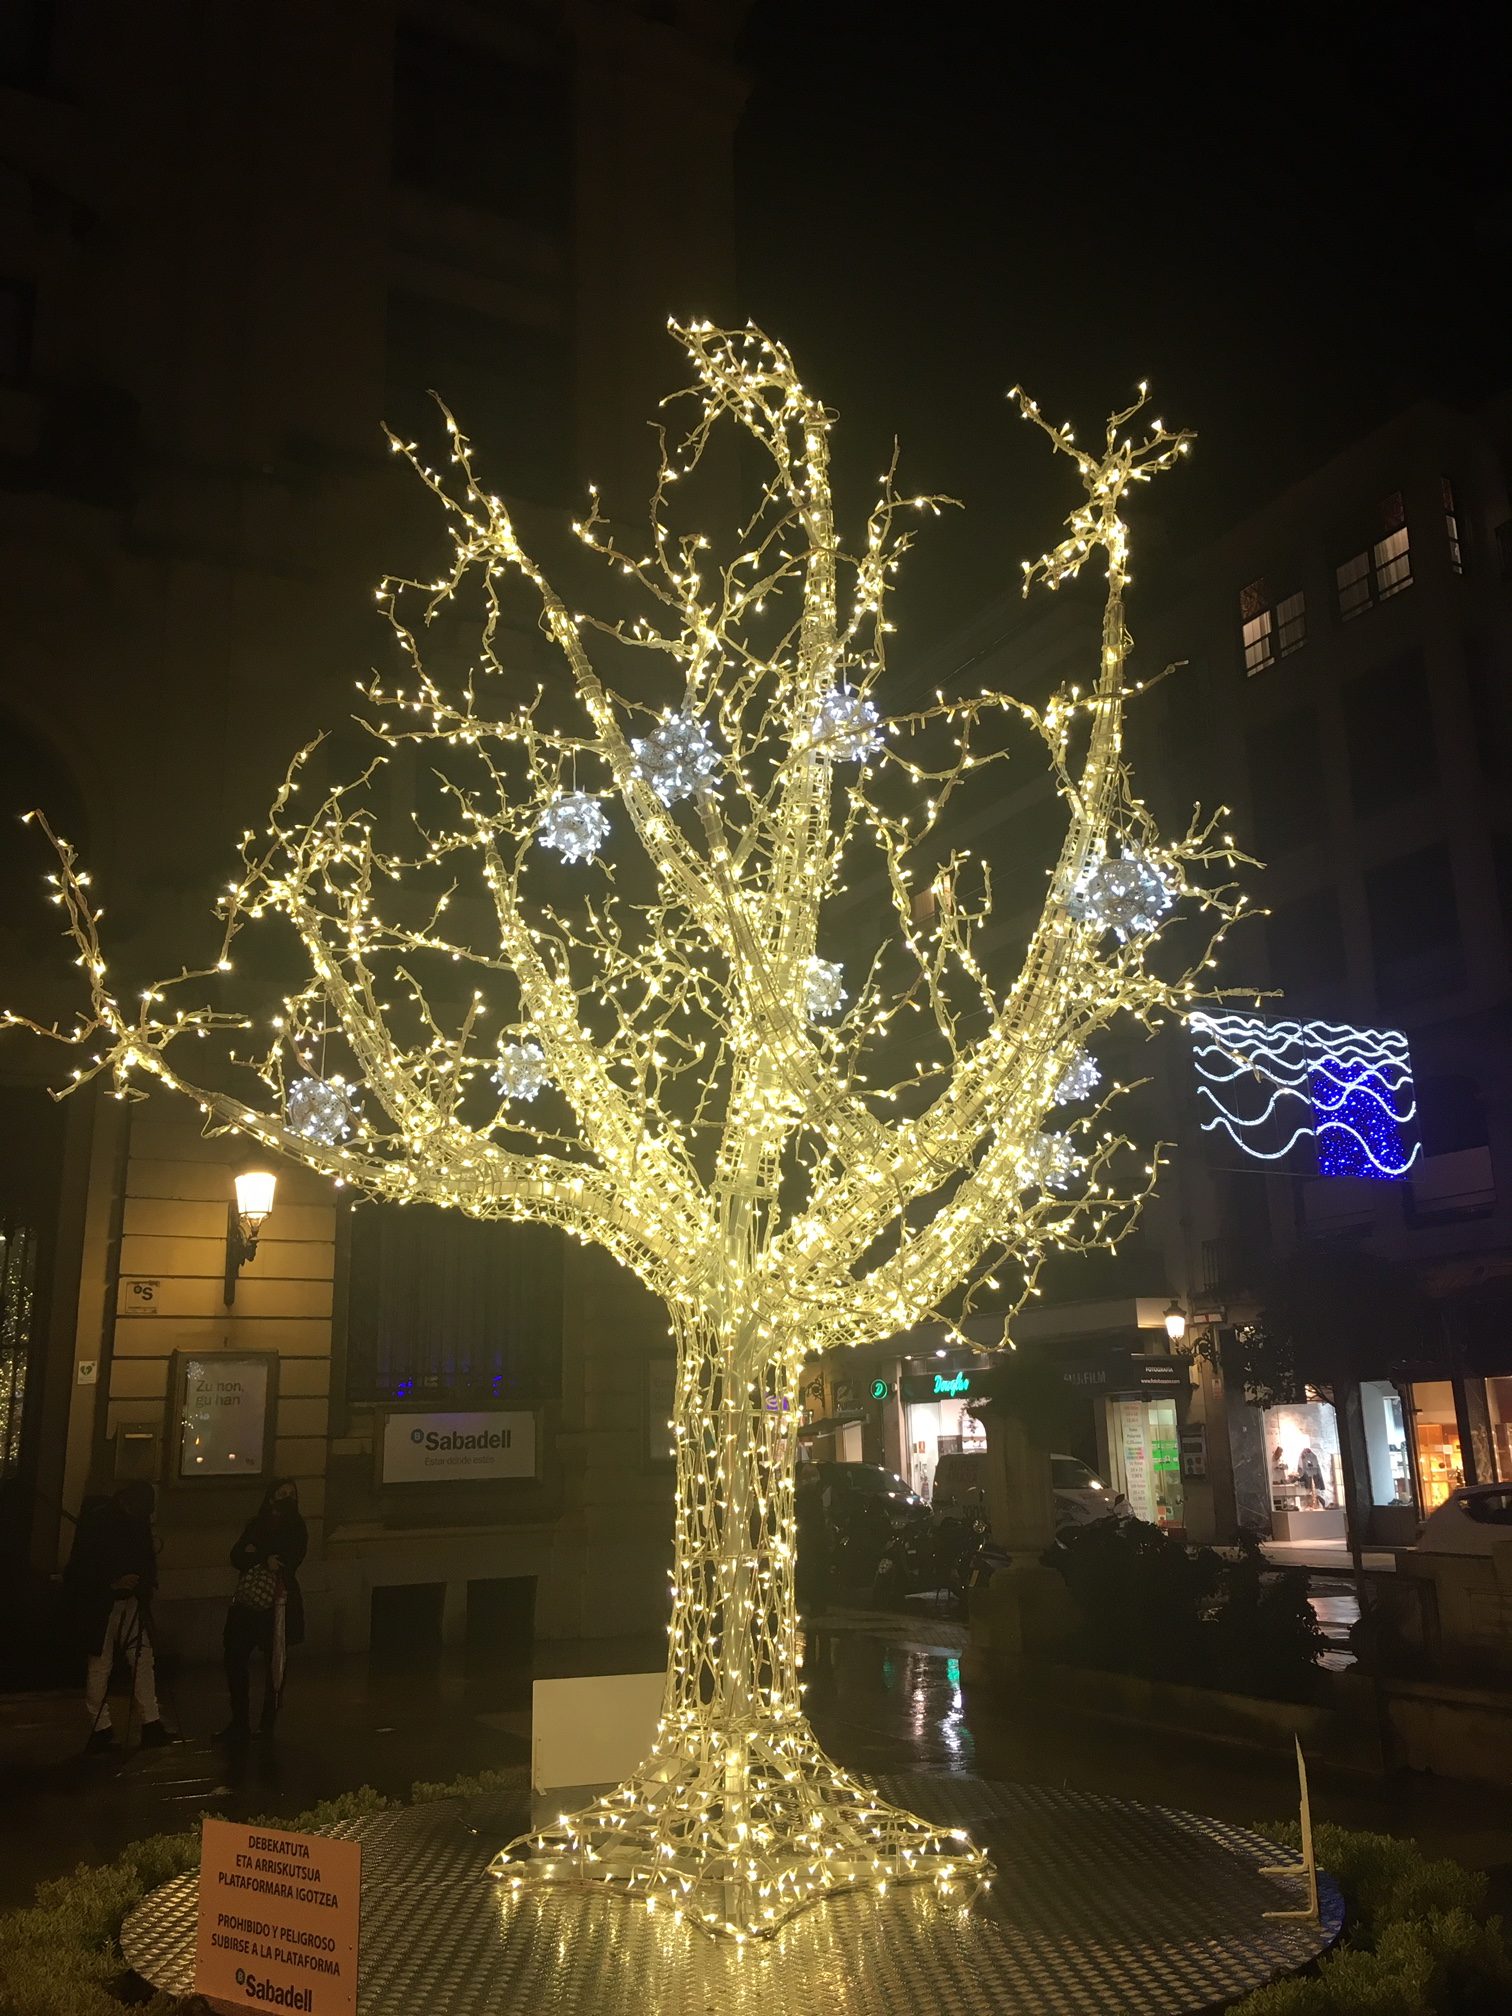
x: 458, y: 1448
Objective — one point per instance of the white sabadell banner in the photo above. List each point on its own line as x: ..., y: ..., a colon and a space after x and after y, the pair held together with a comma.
x: 458, y: 1448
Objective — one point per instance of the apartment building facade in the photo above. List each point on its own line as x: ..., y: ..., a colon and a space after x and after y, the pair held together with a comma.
x: 232, y: 245
x: 1342, y: 671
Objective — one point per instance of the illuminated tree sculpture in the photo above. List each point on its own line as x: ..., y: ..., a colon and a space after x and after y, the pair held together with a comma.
x: 669, y: 1049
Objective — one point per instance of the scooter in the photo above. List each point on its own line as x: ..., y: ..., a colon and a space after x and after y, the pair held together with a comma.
x: 931, y: 1555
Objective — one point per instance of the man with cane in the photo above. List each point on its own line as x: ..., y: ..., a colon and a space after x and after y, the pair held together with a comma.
x: 110, y: 1578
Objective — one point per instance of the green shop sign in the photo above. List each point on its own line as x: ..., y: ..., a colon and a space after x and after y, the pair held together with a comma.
x: 917, y: 1386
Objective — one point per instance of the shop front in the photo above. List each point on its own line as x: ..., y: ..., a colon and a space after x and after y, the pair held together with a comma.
x: 1436, y: 1432
x: 1137, y: 1426
x: 936, y: 1422
x: 1306, y: 1470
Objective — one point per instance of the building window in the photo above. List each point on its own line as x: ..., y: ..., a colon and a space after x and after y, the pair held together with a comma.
x: 1388, y: 722
x: 508, y: 386
x: 26, y: 33
x: 1441, y: 1466
x: 1451, y: 527
x: 17, y: 312
x: 1268, y: 631
x: 1285, y: 780
x: 1304, y: 942
x: 1259, y: 649
x: 1414, y: 927
x: 474, y: 129
x: 1384, y: 568
x: 1291, y: 623
x: 440, y: 1307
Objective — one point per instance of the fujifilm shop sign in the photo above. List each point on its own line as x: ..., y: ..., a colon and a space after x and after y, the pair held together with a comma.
x: 458, y: 1448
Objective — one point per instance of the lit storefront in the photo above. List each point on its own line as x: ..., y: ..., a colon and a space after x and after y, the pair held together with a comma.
x: 1137, y: 1427
x: 1440, y: 1457
x: 936, y: 1422
x: 1306, y: 1471
x: 1499, y: 1414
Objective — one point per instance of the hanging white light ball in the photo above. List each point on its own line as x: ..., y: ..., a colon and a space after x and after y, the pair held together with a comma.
x: 1129, y: 895
x: 1048, y: 1162
x: 521, y: 1071
x: 825, y: 995
x: 847, y: 727
x: 575, y: 825
x: 319, y: 1110
x: 1079, y: 1080
x: 675, y: 758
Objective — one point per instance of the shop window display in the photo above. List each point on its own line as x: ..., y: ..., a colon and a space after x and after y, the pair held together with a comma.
x: 1441, y: 1465
x: 1147, y: 1459
x: 1386, y: 1443
x: 1306, y: 1473
x: 1499, y: 1409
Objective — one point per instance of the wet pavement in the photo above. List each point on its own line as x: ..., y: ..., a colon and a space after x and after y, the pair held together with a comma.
x: 887, y: 1694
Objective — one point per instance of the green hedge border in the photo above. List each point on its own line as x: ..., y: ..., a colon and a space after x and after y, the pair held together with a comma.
x: 1415, y: 1943
x: 61, y: 1956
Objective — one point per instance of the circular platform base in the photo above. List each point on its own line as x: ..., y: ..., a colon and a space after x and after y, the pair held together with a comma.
x: 1098, y: 1907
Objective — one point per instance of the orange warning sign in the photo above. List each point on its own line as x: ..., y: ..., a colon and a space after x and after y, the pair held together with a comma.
x: 278, y: 1919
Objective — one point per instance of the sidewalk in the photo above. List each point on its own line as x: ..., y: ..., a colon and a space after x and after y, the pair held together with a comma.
x: 885, y: 1695
x: 1328, y: 1556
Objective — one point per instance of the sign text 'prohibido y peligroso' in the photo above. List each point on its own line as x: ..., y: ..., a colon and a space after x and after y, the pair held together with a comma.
x: 278, y: 1919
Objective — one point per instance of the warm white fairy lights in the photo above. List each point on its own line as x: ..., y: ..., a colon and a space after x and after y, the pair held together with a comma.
x: 319, y: 1111
x: 785, y: 1179
x: 574, y: 826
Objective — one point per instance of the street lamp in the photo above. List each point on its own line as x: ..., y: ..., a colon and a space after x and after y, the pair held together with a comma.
x: 244, y: 1221
x: 1175, y: 1321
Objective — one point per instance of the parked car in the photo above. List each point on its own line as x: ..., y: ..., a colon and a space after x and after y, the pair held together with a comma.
x: 1475, y: 1519
x: 960, y: 1483
x: 1080, y: 1497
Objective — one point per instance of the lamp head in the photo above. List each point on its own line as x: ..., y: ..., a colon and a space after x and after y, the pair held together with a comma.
x: 1175, y: 1321
x: 254, y: 1197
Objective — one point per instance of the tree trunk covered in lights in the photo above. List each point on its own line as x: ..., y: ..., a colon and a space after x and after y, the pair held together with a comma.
x: 796, y: 1152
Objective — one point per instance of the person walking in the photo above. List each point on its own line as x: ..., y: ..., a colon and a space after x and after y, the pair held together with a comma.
x: 109, y: 1580
x: 267, y: 1607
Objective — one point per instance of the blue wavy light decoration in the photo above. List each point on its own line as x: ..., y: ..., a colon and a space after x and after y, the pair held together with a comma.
x: 1271, y: 1085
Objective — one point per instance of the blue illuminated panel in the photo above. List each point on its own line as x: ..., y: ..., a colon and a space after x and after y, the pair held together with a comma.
x: 1363, y: 1102
x: 1275, y: 1087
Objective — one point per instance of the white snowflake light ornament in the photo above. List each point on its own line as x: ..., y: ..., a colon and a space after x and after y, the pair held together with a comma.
x: 521, y: 1071
x: 574, y: 825
x: 825, y: 994
x: 319, y: 1110
x: 847, y: 728
x: 1079, y: 1080
x: 1129, y: 895
x: 675, y: 758
x: 1048, y: 1162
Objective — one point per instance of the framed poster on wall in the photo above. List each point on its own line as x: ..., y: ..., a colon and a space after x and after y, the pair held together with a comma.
x: 224, y: 1407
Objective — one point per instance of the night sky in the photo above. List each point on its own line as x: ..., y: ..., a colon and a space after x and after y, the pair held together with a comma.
x: 1292, y: 223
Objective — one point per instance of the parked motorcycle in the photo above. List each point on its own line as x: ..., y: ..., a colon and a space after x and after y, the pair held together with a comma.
x: 929, y: 1555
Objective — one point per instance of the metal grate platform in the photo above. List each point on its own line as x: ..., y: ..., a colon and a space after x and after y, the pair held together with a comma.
x: 1100, y: 1908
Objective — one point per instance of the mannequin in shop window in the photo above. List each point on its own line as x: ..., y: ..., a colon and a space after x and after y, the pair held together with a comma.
x: 1279, y: 1479
x: 1310, y: 1479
